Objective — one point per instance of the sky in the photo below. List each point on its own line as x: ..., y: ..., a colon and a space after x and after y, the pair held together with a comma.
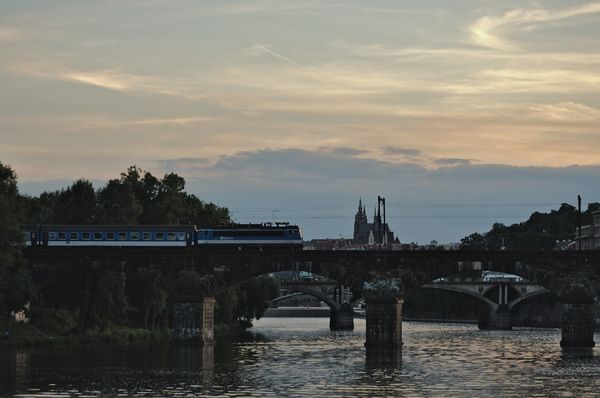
x: 460, y: 114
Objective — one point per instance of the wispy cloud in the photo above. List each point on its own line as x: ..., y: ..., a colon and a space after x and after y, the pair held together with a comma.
x: 105, y: 79
x: 452, y: 162
x: 568, y: 112
x: 487, y: 31
x: 396, y: 150
x: 173, y: 120
x: 258, y: 48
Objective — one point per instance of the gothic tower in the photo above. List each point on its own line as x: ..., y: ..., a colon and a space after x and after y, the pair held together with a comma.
x: 360, y: 222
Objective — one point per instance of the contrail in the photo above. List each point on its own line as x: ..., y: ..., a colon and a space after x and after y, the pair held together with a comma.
x: 275, y: 54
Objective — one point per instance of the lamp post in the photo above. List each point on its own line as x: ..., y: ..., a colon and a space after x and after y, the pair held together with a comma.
x: 579, y: 222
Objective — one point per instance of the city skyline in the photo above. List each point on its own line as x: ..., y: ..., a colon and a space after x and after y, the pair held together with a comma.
x: 460, y: 116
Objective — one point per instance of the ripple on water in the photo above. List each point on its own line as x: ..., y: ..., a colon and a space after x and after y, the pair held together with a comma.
x: 300, y: 357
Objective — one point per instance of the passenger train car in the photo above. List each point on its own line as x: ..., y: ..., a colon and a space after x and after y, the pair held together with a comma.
x: 235, y: 235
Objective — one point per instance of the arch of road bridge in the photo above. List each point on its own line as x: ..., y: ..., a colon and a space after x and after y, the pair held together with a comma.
x: 528, y: 297
x: 287, y: 296
x: 455, y: 289
x: 560, y: 279
x: 313, y: 293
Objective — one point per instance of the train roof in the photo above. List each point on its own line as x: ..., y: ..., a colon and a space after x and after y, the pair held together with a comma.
x: 278, y: 225
x: 110, y: 228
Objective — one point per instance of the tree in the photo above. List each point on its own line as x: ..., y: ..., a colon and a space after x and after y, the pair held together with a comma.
x: 118, y: 204
x: 76, y: 205
x: 16, y: 289
x: 475, y: 241
x: 246, y: 301
x: 539, y: 232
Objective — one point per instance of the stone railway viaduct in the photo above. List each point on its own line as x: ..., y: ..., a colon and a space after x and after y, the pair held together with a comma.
x: 382, y: 278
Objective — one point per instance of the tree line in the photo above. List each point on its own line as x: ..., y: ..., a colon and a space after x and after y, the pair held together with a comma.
x: 540, y: 232
x: 73, y: 300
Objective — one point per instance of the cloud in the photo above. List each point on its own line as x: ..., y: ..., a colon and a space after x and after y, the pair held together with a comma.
x: 344, y: 151
x: 452, y: 162
x: 105, y: 79
x: 396, y: 150
x: 329, y: 164
x: 257, y: 48
x: 567, y: 112
x: 487, y: 31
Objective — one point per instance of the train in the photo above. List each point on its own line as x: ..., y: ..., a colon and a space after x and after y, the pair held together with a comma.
x: 263, y: 235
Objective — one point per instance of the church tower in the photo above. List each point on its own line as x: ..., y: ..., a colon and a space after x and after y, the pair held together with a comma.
x: 360, y: 222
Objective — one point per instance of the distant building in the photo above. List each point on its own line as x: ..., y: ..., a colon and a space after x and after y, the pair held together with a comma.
x: 371, y: 234
x: 590, y: 234
x: 328, y: 244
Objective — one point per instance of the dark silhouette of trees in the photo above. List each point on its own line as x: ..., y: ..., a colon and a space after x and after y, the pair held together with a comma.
x: 539, y: 232
x: 96, y: 298
x: 16, y: 289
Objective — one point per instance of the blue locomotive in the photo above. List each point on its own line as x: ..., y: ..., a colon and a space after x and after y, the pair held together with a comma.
x: 235, y: 235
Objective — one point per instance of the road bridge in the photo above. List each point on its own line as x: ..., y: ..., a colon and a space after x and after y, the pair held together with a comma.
x: 382, y: 278
x: 338, y: 297
x: 498, y: 297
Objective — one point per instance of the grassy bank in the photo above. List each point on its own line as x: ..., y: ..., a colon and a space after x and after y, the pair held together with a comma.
x: 49, y: 328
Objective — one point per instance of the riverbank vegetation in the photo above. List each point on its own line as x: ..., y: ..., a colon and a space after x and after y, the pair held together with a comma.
x: 540, y: 232
x: 73, y: 303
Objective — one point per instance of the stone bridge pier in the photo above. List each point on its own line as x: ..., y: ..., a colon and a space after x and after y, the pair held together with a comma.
x: 193, y: 321
x: 384, y: 314
x: 497, y: 317
x: 341, y: 316
x: 577, y: 316
x: 577, y: 325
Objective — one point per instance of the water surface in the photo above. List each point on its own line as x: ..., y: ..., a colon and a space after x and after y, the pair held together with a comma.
x: 300, y: 357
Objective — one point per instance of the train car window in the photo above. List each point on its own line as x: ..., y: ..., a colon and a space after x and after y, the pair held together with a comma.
x: 110, y: 236
x: 97, y: 235
x: 147, y: 236
x: 134, y: 235
x: 122, y: 235
x: 74, y: 236
x: 159, y: 236
x: 85, y: 236
x: 62, y: 236
x: 171, y: 236
x: 180, y: 235
x: 52, y: 236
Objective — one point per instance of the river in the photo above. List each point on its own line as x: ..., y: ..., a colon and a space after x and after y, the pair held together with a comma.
x: 300, y: 357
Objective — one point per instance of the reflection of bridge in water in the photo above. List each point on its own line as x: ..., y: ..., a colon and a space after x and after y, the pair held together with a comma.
x: 381, y: 278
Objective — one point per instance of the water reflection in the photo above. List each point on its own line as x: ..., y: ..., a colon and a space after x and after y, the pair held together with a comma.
x: 383, y: 358
x: 300, y: 357
x: 193, y: 356
x: 14, y: 370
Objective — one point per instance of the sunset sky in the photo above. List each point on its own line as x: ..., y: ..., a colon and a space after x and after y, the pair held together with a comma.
x: 460, y: 113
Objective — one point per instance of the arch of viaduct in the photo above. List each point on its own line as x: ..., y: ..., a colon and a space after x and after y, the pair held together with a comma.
x: 383, y: 278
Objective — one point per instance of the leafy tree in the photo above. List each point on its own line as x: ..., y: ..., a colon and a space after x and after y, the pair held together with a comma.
x: 539, y: 232
x: 258, y: 293
x: 76, y: 205
x: 146, y: 292
x: 246, y: 301
x: 475, y: 241
x: 118, y: 204
x: 16, y: 289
